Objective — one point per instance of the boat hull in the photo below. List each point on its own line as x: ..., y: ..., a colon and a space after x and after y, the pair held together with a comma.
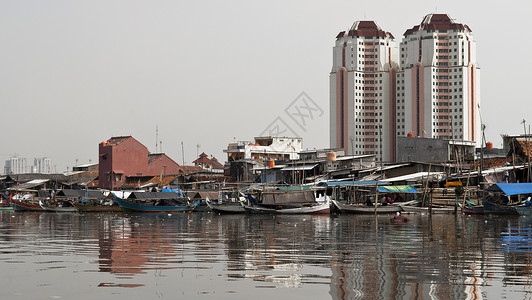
x: 57, y: 208
x: 499, y: 209
x: 97, y: 208
x: 324, y: 208
x: 524, y: 210
x: 432, y: 210
x: 474, y: 210
x: 233, y: 208
x: 352, y: 209
x: 25, y: 206
x: 132, y: 207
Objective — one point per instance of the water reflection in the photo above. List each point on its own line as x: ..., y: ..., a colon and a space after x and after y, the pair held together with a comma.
x: 228, y: 256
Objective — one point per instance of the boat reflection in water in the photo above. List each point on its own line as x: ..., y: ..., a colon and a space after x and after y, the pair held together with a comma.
x: 190, y: 255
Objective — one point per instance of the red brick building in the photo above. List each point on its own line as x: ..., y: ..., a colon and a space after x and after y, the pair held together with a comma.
x: 124, y: 156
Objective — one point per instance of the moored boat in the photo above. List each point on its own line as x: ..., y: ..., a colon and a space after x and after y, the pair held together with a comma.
x: 61, y: 206
x: 433, y: 209
x: 226, y: 208
x: 289, y: 202
x: 138, y: 206
x: 25, y: 205
x: 365, y: 209
x: 473, y: 209
x: 87, y: 207
x: 499, y: 209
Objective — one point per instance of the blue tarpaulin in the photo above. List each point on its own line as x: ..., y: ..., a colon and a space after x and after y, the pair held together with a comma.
x: 397, y: 189
x: 511, y: 188
x: 350, y: 183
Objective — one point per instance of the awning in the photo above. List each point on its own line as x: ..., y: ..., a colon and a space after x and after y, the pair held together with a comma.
x: 350, y: 183
x: 511, y: 188
x: 397, y: 189
x: 30, y: 184
x: 299, y: 168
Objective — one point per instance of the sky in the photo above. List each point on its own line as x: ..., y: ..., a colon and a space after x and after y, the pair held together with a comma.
x: 207, y: 73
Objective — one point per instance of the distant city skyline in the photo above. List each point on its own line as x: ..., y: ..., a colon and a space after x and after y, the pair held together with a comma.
x: 77, y: 73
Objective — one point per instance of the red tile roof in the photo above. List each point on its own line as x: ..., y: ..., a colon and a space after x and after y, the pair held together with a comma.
x: 437, y: 22
x: 117, y: 140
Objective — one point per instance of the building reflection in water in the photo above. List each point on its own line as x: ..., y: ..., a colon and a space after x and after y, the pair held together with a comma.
x: 356, y: 257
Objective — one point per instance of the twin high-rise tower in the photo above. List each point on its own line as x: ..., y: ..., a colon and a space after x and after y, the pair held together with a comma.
x: 427, y: 86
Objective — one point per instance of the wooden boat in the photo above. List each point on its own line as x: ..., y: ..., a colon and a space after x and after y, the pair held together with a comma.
x: 85, y: 208
x: 322, y: 208
x: 137, y: 206
x: 433, y: 209
x: 500, y: 209
x: 62, y: 206
x: 502, y: 202
x: 524, y: 210
x: 473, y: 210
x: 25, y: 205
x: 289, y: 202
x: 365, y: 209
x: 226, y: 208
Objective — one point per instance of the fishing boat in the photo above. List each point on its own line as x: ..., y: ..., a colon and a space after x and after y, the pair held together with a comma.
x: 368, y: 202
x: 432, y: 209
x: 4, y: 202
x: 473, y: 209
x: 226, y: 208
x: 95, y: 201
x: 96, y: 207
x: 289, y: 202
x: 138, y: 206
x: 60, y: 206
x: 503, y: 202
x: 365, y: 209
x: 25, y: 203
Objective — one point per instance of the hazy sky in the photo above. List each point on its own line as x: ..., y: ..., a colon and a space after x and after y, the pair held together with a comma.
x: 75, y: 73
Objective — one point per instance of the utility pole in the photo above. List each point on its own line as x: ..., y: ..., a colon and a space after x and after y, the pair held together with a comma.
x: 183, y: 152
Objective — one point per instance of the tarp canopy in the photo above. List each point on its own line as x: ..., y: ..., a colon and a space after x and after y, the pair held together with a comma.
x: 511, y: 188
x: 299, y: 168
x: 397, y: 189
x: 350, y: 183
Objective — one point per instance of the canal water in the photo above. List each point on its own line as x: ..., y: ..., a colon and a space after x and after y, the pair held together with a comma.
x: 208, y: 256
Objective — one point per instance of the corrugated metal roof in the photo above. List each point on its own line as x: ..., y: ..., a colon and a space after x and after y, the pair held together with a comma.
x: 299, y: 168
x: 31, y: 184
x: 414, y: 176
x: 153, y: 195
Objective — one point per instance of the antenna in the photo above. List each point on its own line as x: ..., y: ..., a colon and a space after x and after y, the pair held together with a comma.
x: 156, y: 136
x: 161, y: 146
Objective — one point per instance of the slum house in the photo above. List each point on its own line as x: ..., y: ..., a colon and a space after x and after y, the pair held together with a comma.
x: 432, y: 150
x: 34, y: 182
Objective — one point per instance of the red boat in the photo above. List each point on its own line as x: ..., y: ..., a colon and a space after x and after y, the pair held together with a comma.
x: 25, y: 205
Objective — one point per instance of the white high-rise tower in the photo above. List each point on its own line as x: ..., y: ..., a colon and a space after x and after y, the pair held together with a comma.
x: 437, y: 88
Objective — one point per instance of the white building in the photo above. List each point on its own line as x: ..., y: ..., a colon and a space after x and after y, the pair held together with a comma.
x: 16, y: 165
x: 438, y: 86
x: 265, y: 148
x: 429, y: 88
x: 42, y: 165
x: 362, y: 91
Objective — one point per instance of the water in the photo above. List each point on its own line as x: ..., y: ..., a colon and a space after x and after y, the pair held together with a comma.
x: 207, y: 256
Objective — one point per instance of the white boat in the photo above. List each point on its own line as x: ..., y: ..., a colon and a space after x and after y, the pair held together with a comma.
x: 366, y: 209
x: 433, y: 209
